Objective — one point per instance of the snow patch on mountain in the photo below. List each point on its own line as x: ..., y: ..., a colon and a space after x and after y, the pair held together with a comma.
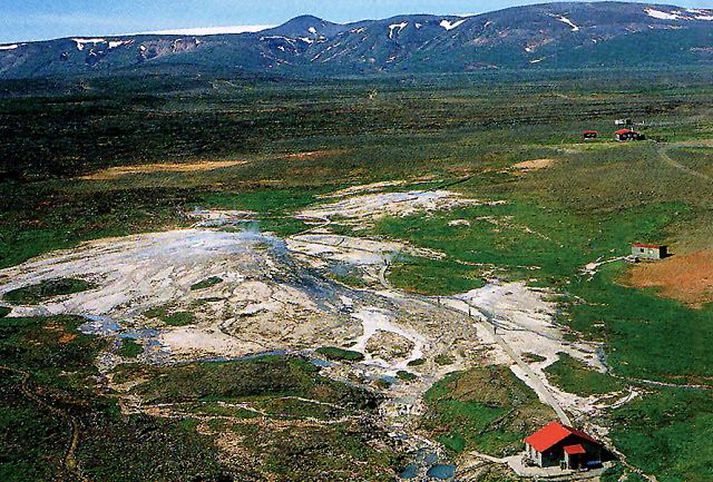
x: 204, y: 31
x: 278, y: 37
x: 312, y: 30
x: 567, y: 21
x: 9, y: 47
x: 113, y: 44
x: 394, y: 26
x: 701, y: 14
x: 448, y: 25
x: 661, y: 15
x: 81, y: 42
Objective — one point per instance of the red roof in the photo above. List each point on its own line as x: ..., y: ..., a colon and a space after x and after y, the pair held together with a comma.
x: 575, y: 449
x: 553, y: 433
x: 591, y: 132
x: 621, y: 132
x: 644, y: 245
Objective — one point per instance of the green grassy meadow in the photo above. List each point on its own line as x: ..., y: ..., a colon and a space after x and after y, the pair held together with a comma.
x: 667, y: 433
x: 339, y: 354
x: 61, y: 370
x: 573, y: 377
x: 35, y: 294
x: 484, y: 409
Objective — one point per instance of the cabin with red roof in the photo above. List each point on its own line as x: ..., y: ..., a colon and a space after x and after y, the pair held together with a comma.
x: 556, y: 444
x: 590, y: 135
x: 628, y: 135
x: 649, y: 251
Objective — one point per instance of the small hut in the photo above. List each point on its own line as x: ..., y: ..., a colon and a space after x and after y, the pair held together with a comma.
x: 556, y: 444
x: 649, y: 251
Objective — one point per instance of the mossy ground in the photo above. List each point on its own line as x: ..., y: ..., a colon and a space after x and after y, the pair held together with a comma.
x: 112, y: 446
x: 35, y: 294
x: 126, y: 447
x: 130, y: 348
x: 484, y: 409
x: 574, y: 377
x: 206, y: 283
x: 339, y: 354
x: 172, y: 318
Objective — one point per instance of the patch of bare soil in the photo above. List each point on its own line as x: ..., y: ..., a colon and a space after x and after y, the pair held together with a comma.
x: 67, y: 338
x: 687, y: 278
x: 63, y: 336
x: 316, y: 154
x: 364, y: 188
x: 121, y: 171
x: 534, y: 164
x: 376, y: 206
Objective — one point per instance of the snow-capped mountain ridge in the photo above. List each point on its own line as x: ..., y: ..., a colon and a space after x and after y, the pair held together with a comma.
x: 555, y: 35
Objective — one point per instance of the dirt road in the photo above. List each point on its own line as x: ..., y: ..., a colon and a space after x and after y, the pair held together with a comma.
x: 663, y: 153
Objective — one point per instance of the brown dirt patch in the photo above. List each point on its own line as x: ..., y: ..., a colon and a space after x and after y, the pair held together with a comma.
x: 120, y: 171
x: 534, y: 164
x: 316, y: 154
x: 67, y: 338
x: 687, y: 278
x: 63, y: 336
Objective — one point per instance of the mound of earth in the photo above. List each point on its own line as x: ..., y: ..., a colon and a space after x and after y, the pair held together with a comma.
x: 388, y: 346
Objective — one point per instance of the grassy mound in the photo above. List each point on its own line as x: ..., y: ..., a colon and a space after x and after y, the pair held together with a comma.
x: 35, y: 294
x: 668, y: 433
x: 340, y: 354
x: 207, y: 283
x: 267, y: 376
x: 130, y: 349
x: 171, y: 318
x: 406, y: 376
x: 574, y: 377
x: 485, y: 409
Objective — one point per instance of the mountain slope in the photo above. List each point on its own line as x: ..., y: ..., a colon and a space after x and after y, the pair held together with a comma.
x: 555, y: 35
